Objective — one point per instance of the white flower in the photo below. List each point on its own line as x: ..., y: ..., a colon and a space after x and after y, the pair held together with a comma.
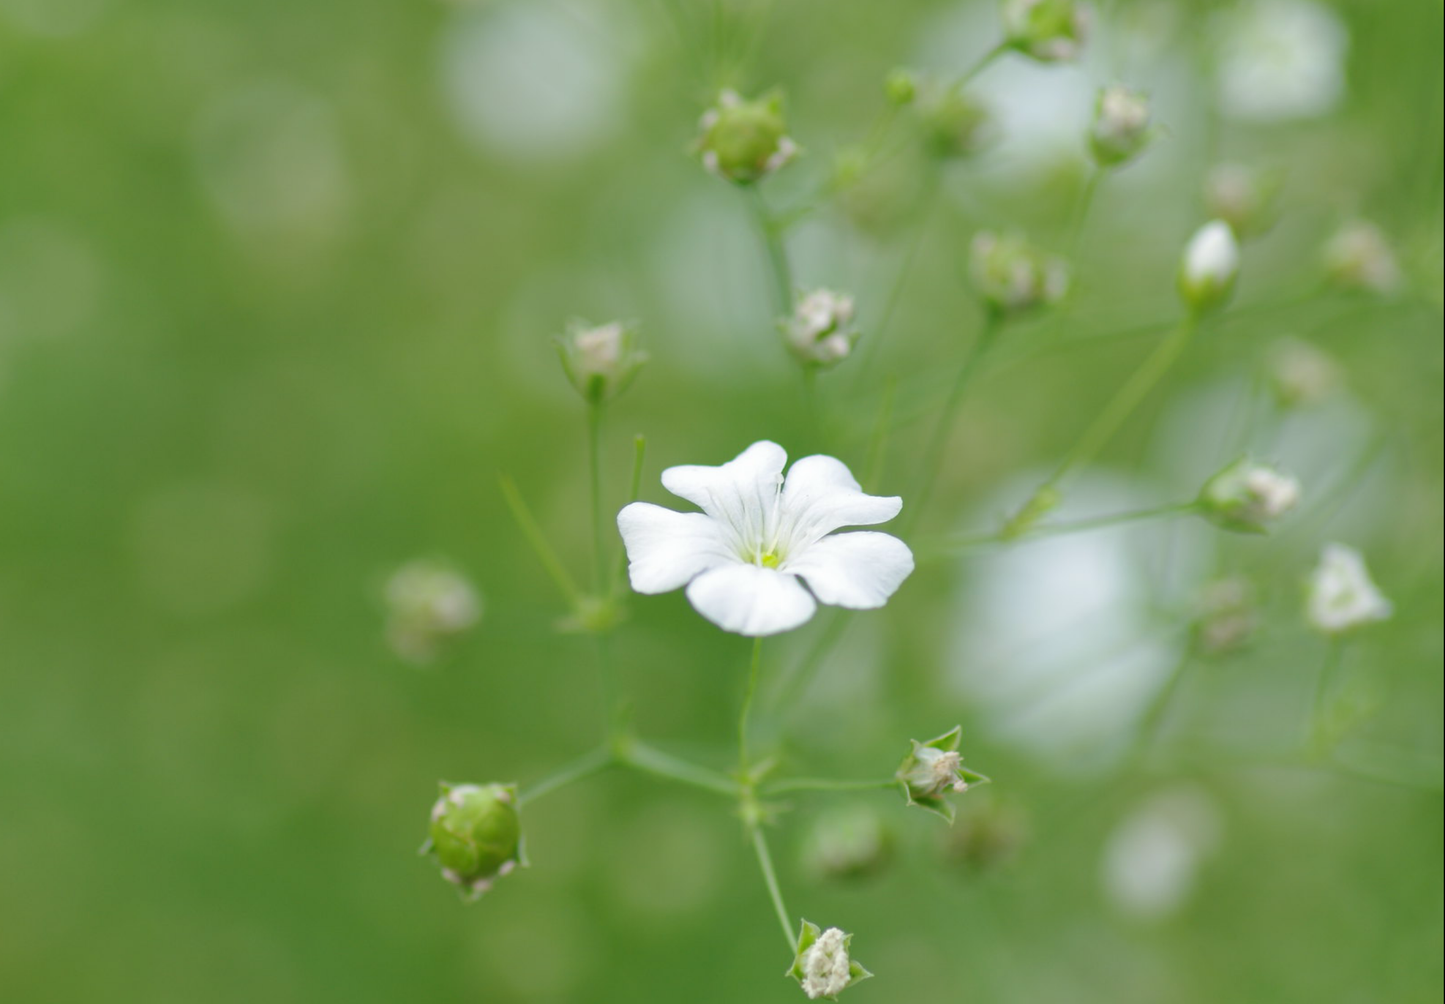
x: 818, y: 332
x: 744, y: 558
x: 1341, y: 593
x: 1247, y: 496
x: 1359, y: 256
x: 1281, y: 59
x: 428, y: 602
x: 1209, y: 266
x: 825, y: 966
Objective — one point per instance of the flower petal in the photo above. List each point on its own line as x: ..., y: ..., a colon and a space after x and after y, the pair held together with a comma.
x: 742, y: 492
x: 751, y: 600
x: 666, y: 549
x: 821, y: 495
x: 855, y: 570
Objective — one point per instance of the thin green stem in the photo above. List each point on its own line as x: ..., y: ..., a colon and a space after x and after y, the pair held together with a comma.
x: 770, y: 877
x: 613, y: 715
x: 1320, y: 739
x: 984, y: 63
x: 594, y: 469
x: 535, y: 537
x: 777, y: 254
x: 1108, y: 422
x: 645, y: 759
x: 954, y: 545
x: 752, y: 687
x: 827, y: 784
x: 1146, y: 737
x: 586, y: 765
x: 1081, y: 212
x: 938, y: 441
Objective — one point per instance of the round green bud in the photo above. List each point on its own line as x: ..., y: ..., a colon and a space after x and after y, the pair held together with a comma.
x: 955, y: 125
x: 745, y: 141
x: 1121, y: 126
x: 1047, y: 30
x: 901, y: 87
x: 475, y: 835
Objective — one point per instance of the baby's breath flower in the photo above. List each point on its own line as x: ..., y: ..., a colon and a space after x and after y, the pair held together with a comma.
x: 428, y: 602
x: 1300, y: 374
x: 1243, y: 197
x: 744, y: 559
x: 819, y: 333
x: 1121, y: 125
x: 1012, y: 276
x: 823, y: 967
x: 476, y: 835
x: 1050, y: 31
x: 1341, y: 594
x: 1359, y: 256
x: 934, y: 770
x: 745, y: 141
x: 1209, y: 268
x: 1248, y: 496
x: 600, y: 361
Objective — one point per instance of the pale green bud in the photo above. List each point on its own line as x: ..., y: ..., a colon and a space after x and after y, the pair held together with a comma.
x: 1047, y: 30
x: 476, y: 835
x: 600, y: 361
x: 1013, y: 276
x: 954, y: 124
x: 900, y: 87
x: 745, y: 141
x: 823, y: 966
x: 934, y: 770
x: 1247, y: 497
x: 1121, y: 126
x: 1209, y: 267
x: 428, y: 603
x: 819, y: 333
x: 1301, y: 374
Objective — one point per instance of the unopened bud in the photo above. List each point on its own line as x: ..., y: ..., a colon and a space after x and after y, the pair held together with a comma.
x: 1047, y: 30
x: 1209, y: 268
x: 1300, y: 374
x: 1243, y: 197
x: 1359, y: 257
x: 428, y: 603
x: 823, y: 966
x: 1227, y: 616
x: 600, y: 361
x: 900, y: 87
x: 1342, y: 596
x: 1012, y: 276
x: 745, y: 141
x: 476, y: 835
x: 820, y: 331
x: 934, y: 770
x: 1121, y: 126
x: 954, y: 125
x: 1247, y: 497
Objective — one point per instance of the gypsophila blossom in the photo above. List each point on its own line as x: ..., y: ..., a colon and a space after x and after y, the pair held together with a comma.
x: 1342, y: 595
x: 1247, y: 496
x: 933, y: 770
x: 819, y: 333
x: 745, y: 558
x: 600, y: 360
x: 823, y: 966
x: 1121, y: 125
x: 428, y: 602
x: 1209, y: 267
x: 745, y: 141
x: 1359, y: 256
x: 1300, y: 374
x: 1012, y: 275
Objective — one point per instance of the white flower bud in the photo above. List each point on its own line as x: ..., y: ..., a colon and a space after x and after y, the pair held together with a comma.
x: 1209, y: 267
x: 428, y: 602
x: 823, y: 966
x: 1121, y: 125
x: 1012, y: 275
x: 1300, y: 374
x: 1359, y: 257
x: 1247, y: 496
x: 1047, y: 30
x: 1342, y: 595
x: 818, y: 333
x: 934, y: 770
x: 745, y: 141
x: 600, y: 361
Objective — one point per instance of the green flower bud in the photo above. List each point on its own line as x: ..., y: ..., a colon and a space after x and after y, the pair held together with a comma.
x: 901, y: 87
x: 1245, y: 198
x: 1047, y: 30
x: 1013, y: 276
x: 1359, y: 257
x: 1246, y: 497
x: 600, y: 361
x: 954, y: 124
x: 1121, y: 126
x: 476, y: 835
x: 934, y: 770
x: 1209, y: 267
x: 820, y: 331
x: 822, y: 966
x: 850, y: 842
x: 428, y: 603
x: 745, y: 141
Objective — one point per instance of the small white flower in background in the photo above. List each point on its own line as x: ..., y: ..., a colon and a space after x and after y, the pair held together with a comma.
x: 819, y: 332
x: 1047, y: 30
x: 1342, y: 595
x: 745, y: 141
x: 1121, y: 125
x: 1300, y: 374
x: 1210, y: 266
x: 1227, y: 616
x: 1359, y: 256
x: 428, y: 602
x: 600, y: 361
x: 745, y: 557
x: 1247, y: 496
x: 1280, y: 60
x: 823, y: 967
x: 1012, y: 276
x: 1153, y: 857
x: 934, y: 770
x: 1242, y: 196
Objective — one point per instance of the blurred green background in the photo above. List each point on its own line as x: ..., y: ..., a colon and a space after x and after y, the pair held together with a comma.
x: 277, y: 288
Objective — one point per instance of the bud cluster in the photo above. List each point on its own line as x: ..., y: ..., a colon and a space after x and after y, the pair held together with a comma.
x: 819, y: 333
x: 822, y: 966
x: 1012, y: 276
x: 745, y: 141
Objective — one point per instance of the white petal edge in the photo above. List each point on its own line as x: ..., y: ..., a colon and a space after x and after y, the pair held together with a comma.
x: 734, y: 491
x: 751, y: 600
x: 821, y: 495
x: 666, y: 549
x: 859, y: 571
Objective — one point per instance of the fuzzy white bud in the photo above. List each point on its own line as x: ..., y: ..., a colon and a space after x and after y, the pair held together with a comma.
x: 1209, y: 266
x: 1247, y: 496
x: 1341, y: 593
x: 1121, y: 125
x: 819, y: 331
